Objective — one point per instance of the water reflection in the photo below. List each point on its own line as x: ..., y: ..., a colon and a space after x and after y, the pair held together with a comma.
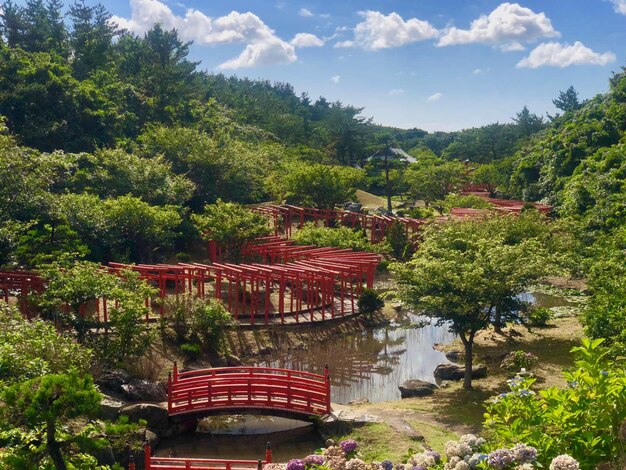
x: 371, y: 364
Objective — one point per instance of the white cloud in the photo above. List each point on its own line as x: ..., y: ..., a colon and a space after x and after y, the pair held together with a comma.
x: 306, y: 40
x: 555, y: 54
x: 619, y: 6
x: 507, y: 26
x: 379, y: 31
x: 305, y: 12
x: 263, y: 46
x: 344, y: 44
x: 478, y: 71
x: 396, y: 92
x: 335, y: 78
x: 435, y: 97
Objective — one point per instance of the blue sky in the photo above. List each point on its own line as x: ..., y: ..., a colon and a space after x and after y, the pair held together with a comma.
x: 435, y: 65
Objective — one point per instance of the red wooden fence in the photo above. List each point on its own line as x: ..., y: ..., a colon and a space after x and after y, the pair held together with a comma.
x: 248, y: 387
x: 177, y: 463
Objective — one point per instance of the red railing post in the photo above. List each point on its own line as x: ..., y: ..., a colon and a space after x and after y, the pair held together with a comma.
x: 131, y: 462
x: 169, y: 392
x: 147, y: 456
x: 327, y: 379
x: 259, y: 465
x: 268, y: 452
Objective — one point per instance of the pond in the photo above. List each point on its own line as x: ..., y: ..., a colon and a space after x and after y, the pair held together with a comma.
x: 368, y: 364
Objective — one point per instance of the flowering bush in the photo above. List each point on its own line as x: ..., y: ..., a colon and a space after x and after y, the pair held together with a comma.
x: 463, y: 454
x: 582, y: 419
x: 517, y: 360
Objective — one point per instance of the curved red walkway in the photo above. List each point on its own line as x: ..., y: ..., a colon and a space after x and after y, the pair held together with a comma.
x: 245, y: 388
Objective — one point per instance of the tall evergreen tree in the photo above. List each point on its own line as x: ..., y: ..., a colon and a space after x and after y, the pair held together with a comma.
x: 567, y: 100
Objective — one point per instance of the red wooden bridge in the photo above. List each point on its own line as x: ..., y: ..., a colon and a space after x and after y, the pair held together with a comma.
x: 176, y: 463
x: 280, y: 391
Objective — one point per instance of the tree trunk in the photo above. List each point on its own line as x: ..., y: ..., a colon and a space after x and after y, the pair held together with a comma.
x: 469, y: 347
x: 497, y: 321
x: 387, y: 186
x: 54, y: 449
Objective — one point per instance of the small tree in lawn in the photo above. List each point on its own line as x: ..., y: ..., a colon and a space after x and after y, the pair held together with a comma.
x: 231, y: 225
x: 464, y: 270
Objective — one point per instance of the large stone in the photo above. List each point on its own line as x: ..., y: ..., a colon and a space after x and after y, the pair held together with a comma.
x: 113, y: 380
x: 353, y: 207
x: 144, y: 390
x: 110, y: 407
x: 457, y: 371
x: 155, y: 415
x: 416, y: 388
x: 454, y: 355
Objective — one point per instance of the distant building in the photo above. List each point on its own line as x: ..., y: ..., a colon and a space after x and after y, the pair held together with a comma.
x: 392, y: 154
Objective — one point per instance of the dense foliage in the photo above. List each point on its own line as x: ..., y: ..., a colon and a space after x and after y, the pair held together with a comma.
x: 582, y: 419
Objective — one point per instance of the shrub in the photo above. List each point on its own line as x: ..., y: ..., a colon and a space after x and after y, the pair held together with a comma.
x: 369, y: 302
x: 582, y: 419
x: 196, y: 320
x: 540, y: 316
x: 342, y: 237
x: 516, y: 360
x: 398, y: 241
x: 191, y: 350
x: 468, y: 202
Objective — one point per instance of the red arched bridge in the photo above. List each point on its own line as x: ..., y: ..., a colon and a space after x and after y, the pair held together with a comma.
x: 279, y: 391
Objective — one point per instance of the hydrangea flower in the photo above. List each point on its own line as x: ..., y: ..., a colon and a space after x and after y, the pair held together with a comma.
x: 564, y: 462
x: 423, y: 459
x: 356, y: 464
x: 471, y: 440
x: 349, y: 445
x: 500, y: 458
x: 274, y: 466
x: 314, y: 459
x: 386, y: 465
x: 295, y: 464
x: 434, y: 454
x: 525, y: 466
x: 524, y: 454
x: 476, y: 459
x: 457, y: 449
x: 420, y: 467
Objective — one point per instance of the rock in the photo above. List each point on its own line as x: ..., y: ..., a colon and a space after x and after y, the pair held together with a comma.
x: 454, y: 355
x: 353, y: 207
x: 151, y: 438
x: 416, y: 388
x: 397, y: 306
x: 155, y: 415
x: 143, y: 390
x: 110, y: 407
x: 114, y: 379
x: 359, y: 401
x: 457, y: 371
x: 233, y: 360
x: 382, y: 211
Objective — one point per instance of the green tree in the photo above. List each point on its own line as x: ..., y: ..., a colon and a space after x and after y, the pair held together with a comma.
x: 398, y: 241
x: 432, y: 181
x: 567, y: 100
x: 528, y: 123
x: 49, y: 403
x: 314, y: 185
x: 465, y: 271
x: 32, y: 348
x: 231, y: 225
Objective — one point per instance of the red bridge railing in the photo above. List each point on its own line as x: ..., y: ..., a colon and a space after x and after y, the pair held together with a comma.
x: 177, y: 463
x: 248, y: 388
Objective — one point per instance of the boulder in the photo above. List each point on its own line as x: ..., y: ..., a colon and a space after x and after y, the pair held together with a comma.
x: 110, y: 407
x: 353, y: 207
x: 144, y: 390
x: 454, y: 355
x: 155, y: 415
x: 382, y: 211
x: 457, y: 371
x: 114, y: 379
x: 416, y: 388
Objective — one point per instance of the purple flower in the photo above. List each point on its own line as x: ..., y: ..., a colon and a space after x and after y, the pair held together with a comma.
x: 434, y: 454
x: 500, y: 458
x: 349, y: 445
x: 524, y: 454
x: 386, y: 465
x: 295, y: 464
x: 314, y: 459
x: 419, y: 467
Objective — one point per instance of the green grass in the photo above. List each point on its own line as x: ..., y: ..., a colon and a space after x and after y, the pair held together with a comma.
x: 434, y: 436
x: 378, y: 441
